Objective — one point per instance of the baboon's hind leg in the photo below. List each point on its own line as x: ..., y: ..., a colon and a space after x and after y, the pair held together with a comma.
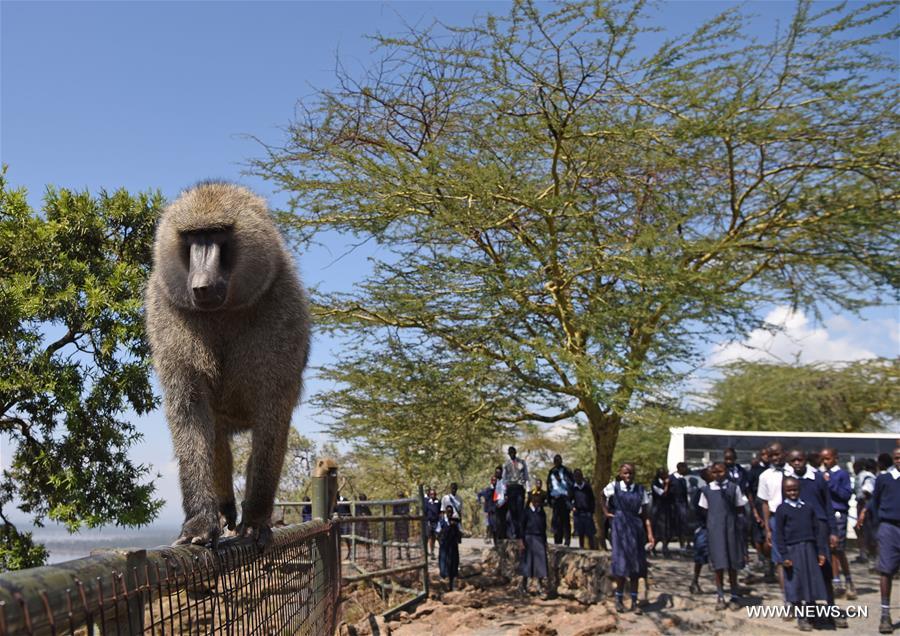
x: 223, y: 474
x: 263, y: 473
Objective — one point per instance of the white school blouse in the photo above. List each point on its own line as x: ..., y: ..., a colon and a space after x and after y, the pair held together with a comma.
x: 769, y: 488
x: 609, y: 490
x: 740, y: 500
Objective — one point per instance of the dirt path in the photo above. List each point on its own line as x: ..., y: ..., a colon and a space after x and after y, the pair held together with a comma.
x: 485, y: 607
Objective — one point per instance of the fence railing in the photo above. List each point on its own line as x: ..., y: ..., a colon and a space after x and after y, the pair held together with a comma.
x: 292, y: 588
x: 385, y: 543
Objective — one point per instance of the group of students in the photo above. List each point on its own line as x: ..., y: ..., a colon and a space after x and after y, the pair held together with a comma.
x: 795, y: 512
x: 569, y: 496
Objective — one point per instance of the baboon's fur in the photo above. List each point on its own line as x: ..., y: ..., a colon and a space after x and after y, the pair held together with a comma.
x: 234, y: 368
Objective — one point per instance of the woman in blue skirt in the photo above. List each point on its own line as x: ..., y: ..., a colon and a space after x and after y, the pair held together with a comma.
x: 802, y: 548
x: 626, y: 503
x: 534, y: 544
x: 723, y: 500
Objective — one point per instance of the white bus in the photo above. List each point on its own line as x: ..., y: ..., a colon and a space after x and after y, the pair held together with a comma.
x: 698, y: 446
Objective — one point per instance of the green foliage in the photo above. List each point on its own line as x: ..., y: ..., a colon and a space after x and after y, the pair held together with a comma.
x: 760, y: 396
x: 566, y: 220
x: 433, y: 418
x: 18, y: 551
x: 73, y: 357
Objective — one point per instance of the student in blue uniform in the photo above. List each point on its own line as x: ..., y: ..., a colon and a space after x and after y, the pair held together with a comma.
x: 661, y: 512
x: 626, y: 504
x: 534, y: 544
x: 886, y: 509
x: 432, y: 517
x: 736, y: 473
x: 802, y: 548
x: 814, y: 492
x: 489, y: 507
x: 757, y: 530
x: 841, y: 489
x: 723, y: 500
x: 583, y: 512
x: 559, y: 483
x: 678, y: 489
x: 701, y: 541
x: 450, y: 536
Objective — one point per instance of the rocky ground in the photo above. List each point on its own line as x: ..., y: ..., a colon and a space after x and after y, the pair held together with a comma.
x: 489, y: 605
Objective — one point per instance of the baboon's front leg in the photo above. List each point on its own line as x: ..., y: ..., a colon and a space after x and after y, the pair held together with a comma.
x: 263, y: 473
x: 191, y: 424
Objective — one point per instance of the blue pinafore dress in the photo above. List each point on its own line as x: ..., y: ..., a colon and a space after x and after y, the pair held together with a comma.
x: 628, y: 537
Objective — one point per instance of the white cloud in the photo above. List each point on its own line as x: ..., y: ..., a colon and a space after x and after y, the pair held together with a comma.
x: 794, y: 337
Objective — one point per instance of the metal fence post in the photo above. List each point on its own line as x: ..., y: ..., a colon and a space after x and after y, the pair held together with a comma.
x: 424, y: 530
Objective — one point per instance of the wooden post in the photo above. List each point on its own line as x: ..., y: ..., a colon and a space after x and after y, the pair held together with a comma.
x: 324, y: 489
x: 134, y: 577
x: 323, y: 501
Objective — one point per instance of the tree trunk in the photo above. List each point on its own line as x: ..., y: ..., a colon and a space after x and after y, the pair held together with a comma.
x: 604, y: 432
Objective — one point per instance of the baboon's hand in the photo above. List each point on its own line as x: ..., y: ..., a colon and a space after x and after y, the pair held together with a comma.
x: 261, y: 534
x: 200, y: 529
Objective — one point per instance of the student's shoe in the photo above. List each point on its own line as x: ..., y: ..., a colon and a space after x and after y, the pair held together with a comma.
x: 839, y: 592
x: 720, y: 604
x: 851, y: 591
x: 695, y: 588
x: 804, y: 625
x: 636, y: 608
x: 886, y: 626
x: 620, y: 606
x: 733, y: 605
x: 523, y: 586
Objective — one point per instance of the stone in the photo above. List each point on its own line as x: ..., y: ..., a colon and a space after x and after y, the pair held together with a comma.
x: 470, y: 569
x: 537, y: 629
x: 574, y: 573
x: 603, y: 625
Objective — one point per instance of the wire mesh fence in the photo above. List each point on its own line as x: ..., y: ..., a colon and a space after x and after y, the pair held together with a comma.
x: 292, y: 588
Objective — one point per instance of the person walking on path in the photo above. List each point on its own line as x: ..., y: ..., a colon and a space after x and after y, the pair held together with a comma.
x: 841, y: 489
x: 534, y: 545
x: 802, y: 550
x: 814, y: 492
x: 515, y: 476
x: 583, y: 504
x: 627, y: 503
x: 559, y: 483
x: 723, y: 501
x: 885, y: 508
x: 489, y: 507
x: 432, y: 517
x: 450, y: 536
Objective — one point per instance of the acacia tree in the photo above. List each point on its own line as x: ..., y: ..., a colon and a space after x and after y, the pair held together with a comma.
x: 854, y: 397
x: 73, y: 358
x: 574, y: 216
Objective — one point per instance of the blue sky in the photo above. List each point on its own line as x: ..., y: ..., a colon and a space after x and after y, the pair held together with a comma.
x: 147, y: 95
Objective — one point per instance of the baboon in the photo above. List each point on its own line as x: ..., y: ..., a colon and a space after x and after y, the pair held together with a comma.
x: 228, y: 323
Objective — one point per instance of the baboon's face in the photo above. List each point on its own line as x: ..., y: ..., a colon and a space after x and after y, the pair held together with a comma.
x: 208, y: 256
